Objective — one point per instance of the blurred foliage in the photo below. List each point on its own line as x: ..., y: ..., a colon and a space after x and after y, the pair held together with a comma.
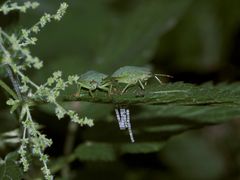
x: 9, y: 168
x: 192, y: 149
x: 195, y: 41
x: 93, y: 35
x: 7, y: 20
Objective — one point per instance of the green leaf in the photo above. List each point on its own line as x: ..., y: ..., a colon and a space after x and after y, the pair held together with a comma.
x: 134, y: 36
x: 162, y: 111
x: 191, y: 156
x: 178, y: 93
x: 95, y: 152
x: 10, y: 169
x: 191, y: 114
x: 100, y: 38
x: 198, y: 43
x: 61, y: 162
x: 141, y: 147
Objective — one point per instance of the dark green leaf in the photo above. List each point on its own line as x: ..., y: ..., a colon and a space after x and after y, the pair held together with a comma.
x: 169, y: 94
x: 191, y: 156
x: 141, y: 147
x: 95, y: 152
x: 174, y: 109
x: 10, y: 169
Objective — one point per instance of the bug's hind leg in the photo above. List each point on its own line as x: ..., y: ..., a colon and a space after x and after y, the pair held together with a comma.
x: 91, y: 93
x: 107, y: 88
x: 79, y: 87
x: 160, y: 82
x: 125, y: 88
x: 110, y: 89
x: 141, y: 84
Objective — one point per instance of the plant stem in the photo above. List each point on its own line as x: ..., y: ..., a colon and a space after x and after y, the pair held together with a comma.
x: 68, y: 146
x: 8, y: 89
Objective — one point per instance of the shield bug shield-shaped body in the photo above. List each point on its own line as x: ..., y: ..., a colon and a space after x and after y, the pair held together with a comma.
x: 131, y: 75
x: 92, y: 80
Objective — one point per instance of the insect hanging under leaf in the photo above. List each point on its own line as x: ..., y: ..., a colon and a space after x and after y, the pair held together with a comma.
x: 123, y: 117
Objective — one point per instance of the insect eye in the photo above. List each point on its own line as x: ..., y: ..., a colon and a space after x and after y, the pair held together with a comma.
x: 92, y: 82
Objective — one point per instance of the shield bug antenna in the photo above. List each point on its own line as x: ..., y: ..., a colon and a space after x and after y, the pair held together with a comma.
x: 161, y: 75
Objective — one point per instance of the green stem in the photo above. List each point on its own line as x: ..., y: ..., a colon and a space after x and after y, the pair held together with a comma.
x: 8, y: 89
x: 29, y: 81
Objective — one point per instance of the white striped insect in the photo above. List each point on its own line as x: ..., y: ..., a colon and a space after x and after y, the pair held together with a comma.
x: 123, y: 117
x: 121, y: 123
x: 131, y: 75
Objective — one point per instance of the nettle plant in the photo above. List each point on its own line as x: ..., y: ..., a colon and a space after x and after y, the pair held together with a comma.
x: 195, y: 106
x: 16, y: 58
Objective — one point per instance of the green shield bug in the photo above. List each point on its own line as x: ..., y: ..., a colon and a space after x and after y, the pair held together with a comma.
x: 93, y: 80
x: 131, y: 75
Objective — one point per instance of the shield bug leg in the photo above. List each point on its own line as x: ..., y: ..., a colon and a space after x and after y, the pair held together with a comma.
x: 125, y: 88
x: 160, y: 82
x: 141, y: 84
x: 110, y: 89
x: 106, y: 87
x: 91, y: 93
x: 82, y: 86
x: 79, y: 87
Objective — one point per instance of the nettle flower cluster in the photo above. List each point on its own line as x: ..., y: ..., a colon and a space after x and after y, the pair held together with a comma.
x: 16, y: 58
x: 9, y: 6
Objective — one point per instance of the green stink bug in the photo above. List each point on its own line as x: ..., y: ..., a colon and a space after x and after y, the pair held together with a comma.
x: 131, y: 75
x: 93, y: 80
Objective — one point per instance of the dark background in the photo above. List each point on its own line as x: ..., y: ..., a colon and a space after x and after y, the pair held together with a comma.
x: 195, y: 41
